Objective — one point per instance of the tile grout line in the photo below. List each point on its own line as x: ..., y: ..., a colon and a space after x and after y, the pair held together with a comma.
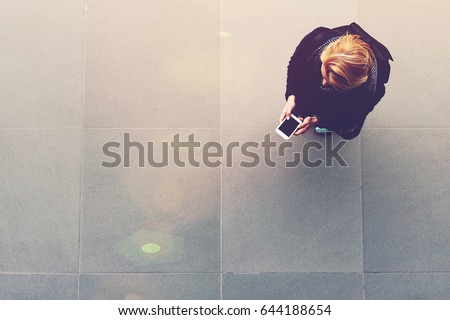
x: 194, y: 128
x: 82, y: 146
x: 109, y: 128
x: 362, y: 215
x: 221, y: 142
x: 229, y: 273
x: 109, y: 273
x: 361, y: 194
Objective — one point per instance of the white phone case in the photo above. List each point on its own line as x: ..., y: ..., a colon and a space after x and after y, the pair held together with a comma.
x: 281, y: 133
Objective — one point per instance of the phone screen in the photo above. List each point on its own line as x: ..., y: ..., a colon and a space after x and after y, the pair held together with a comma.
x: 288, y: 126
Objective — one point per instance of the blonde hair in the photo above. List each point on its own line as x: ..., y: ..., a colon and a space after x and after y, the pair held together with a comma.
x: 346, y: 62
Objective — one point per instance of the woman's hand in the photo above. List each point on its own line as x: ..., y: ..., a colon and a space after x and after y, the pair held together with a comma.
x: 307, y: 123
x: 288, y: 108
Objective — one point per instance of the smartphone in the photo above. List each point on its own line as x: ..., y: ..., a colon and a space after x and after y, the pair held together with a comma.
x: 287, y: 127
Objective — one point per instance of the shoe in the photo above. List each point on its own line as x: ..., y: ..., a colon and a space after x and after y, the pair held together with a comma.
x: 322, y: 130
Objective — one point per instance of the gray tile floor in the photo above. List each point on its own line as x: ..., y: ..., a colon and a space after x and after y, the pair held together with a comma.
x: 83, y: 79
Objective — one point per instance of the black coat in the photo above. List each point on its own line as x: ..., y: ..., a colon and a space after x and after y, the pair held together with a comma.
x: 343, y: 113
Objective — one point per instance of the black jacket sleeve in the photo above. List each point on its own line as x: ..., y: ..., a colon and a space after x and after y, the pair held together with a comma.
x: 296, y: 75
x: 355, y: 131
x: 383, y: 78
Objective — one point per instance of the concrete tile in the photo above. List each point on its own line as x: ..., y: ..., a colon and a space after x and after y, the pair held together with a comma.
x: 298, y: 219
x: 417, y: 94
x: 406, y: 179
x: 257, y: 45
x: 408, y: 286
x: 38, y: 286
x: 41, y: 63
x: 150, y: 287
x: 40, y: 188
x: 293, y: 286
x: 174, y: 211
x: 153, y: 64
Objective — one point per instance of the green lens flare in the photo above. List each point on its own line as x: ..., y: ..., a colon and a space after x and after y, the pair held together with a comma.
x: 151, y: 248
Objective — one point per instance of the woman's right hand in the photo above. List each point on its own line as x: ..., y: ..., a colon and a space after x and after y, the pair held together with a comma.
x: 288, y: 108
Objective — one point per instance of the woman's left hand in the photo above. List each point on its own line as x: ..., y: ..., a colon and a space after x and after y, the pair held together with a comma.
x: 307, y: 123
